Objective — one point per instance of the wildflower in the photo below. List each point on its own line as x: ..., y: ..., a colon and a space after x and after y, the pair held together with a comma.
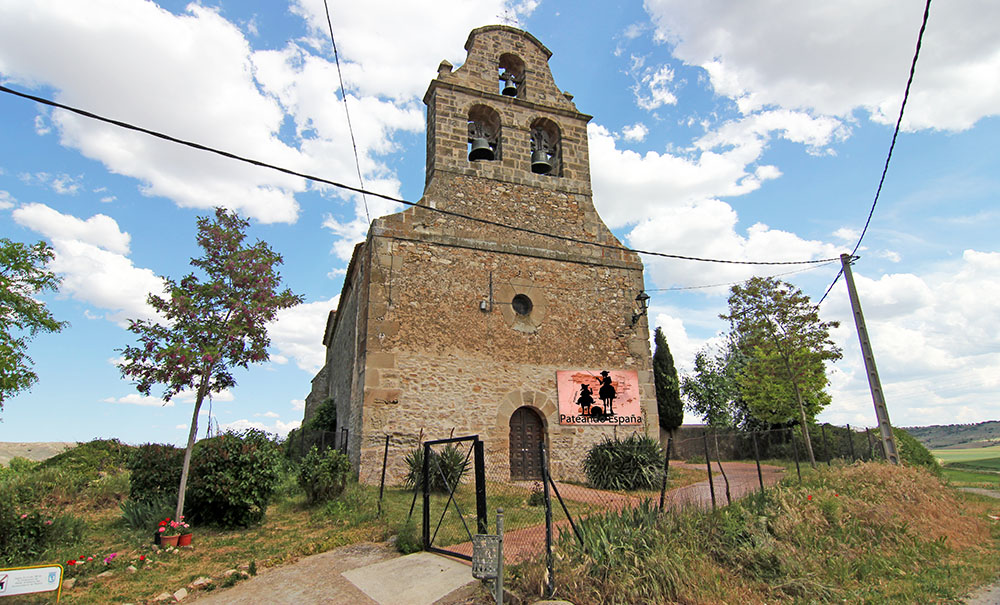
x: 142, y: 557
x: 71, y: 562
x: 90, y: 558
x: 24, y: 516
x: 809, y: 497
x: 49, y: 522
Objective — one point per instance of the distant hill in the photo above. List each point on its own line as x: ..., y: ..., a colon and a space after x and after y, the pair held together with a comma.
x: 35, y: 450
x: 983, y: 434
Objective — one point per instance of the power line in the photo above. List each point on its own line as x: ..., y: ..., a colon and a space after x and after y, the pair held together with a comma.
x: 343, y: 95
x: 233, y: 156
x: 892, y: 145
x: 735, y: 282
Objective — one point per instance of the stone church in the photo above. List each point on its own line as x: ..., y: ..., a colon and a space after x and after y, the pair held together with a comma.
x: 501, y: 304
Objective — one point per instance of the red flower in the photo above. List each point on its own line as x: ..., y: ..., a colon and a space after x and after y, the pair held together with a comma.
x: 809, y: 497
x: 142, y: 557
x: 71, y: 562
x: 82, y: 557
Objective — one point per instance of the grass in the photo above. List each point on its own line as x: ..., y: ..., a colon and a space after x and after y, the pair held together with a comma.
x: 946, y: 456
x: 862, y: 533
x: 784, y: 548
x: 971, y: 467
x: 90, y: 485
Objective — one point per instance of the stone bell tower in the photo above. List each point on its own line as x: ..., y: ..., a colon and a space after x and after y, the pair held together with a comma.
x: 458, y: 313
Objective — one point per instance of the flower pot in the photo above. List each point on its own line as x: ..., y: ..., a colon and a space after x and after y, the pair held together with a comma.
x: 184, y: 539
x: 168, y: 540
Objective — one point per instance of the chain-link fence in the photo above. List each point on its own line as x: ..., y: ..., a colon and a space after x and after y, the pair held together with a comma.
x: 466, y: 481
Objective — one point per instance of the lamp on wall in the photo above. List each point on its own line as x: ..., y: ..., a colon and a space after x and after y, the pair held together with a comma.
x: 643, y: 300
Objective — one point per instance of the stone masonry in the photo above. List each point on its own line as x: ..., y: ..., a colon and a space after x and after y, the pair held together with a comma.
x: 426, y: 338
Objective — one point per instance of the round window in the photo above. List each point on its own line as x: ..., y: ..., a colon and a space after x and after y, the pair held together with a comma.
x: 522, y: 304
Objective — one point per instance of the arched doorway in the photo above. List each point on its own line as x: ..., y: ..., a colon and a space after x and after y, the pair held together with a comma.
x: 526, y: 437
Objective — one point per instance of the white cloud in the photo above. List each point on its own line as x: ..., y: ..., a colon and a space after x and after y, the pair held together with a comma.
x: 99, y: 230
x: 636, y: 132
x: 298, y: 333
x: 834, y: 58
x: 279, y: 428
x: 6, y: 200
x: 89, y: 256
x: 298, y: 404
x: 267, y: 414
x: 42, y: 127
x: 653, y: 89
x: 141, y: 400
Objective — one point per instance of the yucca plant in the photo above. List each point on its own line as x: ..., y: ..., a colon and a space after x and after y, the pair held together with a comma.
x: 450, y: 463
x: 635, y: 462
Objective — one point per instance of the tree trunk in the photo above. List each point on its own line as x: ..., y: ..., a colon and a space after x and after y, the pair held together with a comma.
x: 202, y: 388
x: 805, y: 424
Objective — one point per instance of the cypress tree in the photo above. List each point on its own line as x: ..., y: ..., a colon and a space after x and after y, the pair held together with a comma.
x: 668, y: 392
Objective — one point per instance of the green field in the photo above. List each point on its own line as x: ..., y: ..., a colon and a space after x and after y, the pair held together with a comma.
x: 966, y: 455
x: 978, y: 466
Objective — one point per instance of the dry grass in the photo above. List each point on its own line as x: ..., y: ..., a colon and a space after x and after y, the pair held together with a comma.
x: 867, y: 532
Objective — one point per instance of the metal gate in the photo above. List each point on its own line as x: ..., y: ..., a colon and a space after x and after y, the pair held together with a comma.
x: 434, y: 471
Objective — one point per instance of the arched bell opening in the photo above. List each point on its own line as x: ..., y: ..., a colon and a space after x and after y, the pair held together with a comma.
x: 527, y: 434
x: 484, y: 133
x: 545, y: 147
x: 510, y: 71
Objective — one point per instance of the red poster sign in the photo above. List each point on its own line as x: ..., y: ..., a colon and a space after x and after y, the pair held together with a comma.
x: 598, y: 397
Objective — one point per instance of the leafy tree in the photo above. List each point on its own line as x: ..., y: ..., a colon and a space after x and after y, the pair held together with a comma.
x: 668, y: 391
x: 210, y: 326
x: 22, y: 276
x: 785, y: 345
x: 711, y: 390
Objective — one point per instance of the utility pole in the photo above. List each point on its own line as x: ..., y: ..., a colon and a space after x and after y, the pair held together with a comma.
x: 881, y: 413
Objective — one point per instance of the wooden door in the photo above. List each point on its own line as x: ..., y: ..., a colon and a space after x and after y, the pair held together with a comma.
x: 526, y: 437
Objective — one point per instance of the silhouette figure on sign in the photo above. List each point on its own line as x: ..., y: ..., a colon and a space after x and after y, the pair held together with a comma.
x: 585, y: 400
x: 607, y: 392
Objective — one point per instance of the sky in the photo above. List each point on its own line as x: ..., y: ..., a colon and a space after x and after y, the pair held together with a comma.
x: 743, y: 131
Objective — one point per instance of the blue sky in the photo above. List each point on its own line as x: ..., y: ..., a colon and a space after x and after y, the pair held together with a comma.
x: 739, y: 131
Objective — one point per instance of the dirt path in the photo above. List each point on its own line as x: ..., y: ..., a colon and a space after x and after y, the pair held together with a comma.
x: 524, y: 543
x: 990, y: 594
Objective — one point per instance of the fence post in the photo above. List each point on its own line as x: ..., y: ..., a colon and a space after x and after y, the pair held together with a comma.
x: 666, y: 470
x: 498, y: 583
x: 826, y: 445
x: 795, y: 452
x: 708, y: 465
x: 480, y: 464
x: 756, y: 456
x: 426, y: 529
x: 381, y: 485
x: 549, y: 580
x: 850, y: 442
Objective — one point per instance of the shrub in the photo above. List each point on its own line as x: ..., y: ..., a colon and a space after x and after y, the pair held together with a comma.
x: 408, y: 539
x: 325, y: 417
x: 91, y: 457
x: 450, y: 463
x: 232, y: 478
x: 323, y: 475
x: 913, y: 452
x: 155, y: 472
x: 25, y: 536
x: 635, y: 462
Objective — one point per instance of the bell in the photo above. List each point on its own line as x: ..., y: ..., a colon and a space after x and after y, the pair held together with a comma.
x: 509, y: 90
x: 540, y: 162
x: 481, y: 150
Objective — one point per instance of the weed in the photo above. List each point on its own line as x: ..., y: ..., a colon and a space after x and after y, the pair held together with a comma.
x: 635, y: 462
x: 407, y: 538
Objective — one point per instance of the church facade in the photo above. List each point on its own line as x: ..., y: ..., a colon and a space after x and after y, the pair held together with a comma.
x: 501, y: 304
